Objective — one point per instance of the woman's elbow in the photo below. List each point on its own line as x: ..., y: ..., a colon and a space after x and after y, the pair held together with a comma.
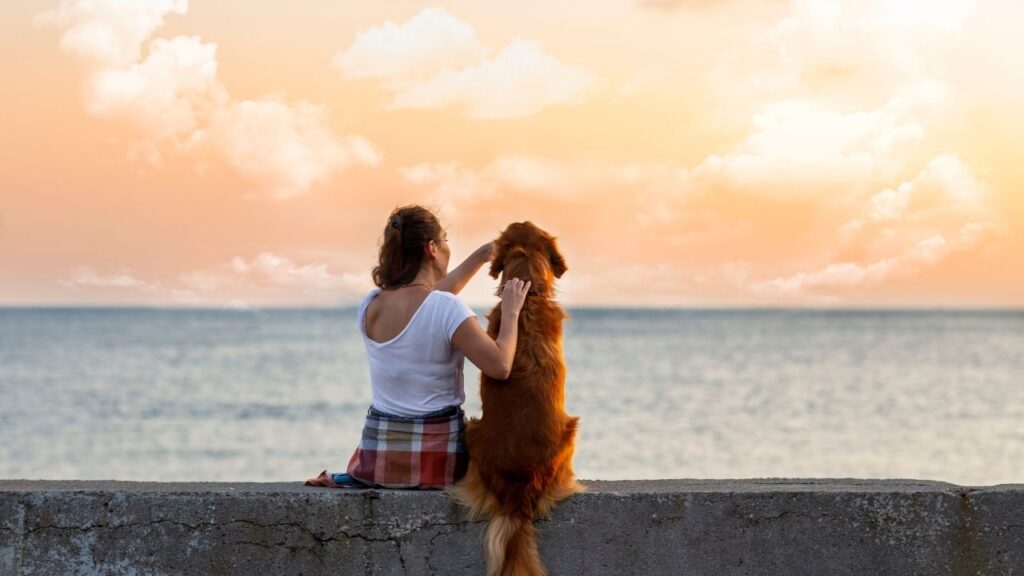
x: 500, y: 371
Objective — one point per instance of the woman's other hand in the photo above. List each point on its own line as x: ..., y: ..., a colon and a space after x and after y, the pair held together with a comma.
x: 513, y: 295
x: 494, y: 357
x: 486, y: 252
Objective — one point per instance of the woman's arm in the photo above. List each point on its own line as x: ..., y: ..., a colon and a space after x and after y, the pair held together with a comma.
x: 456, y: 280
x: 494, y: 357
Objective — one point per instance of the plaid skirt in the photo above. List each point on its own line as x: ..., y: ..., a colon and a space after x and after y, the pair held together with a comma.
x: 400, y: 452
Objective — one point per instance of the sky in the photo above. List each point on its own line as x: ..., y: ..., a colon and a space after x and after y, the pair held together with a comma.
x: 698, y: 153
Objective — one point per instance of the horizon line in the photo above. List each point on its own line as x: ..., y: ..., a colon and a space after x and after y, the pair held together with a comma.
x: 609, y: 307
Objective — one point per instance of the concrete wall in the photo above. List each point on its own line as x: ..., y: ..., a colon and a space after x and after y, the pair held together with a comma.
x: 691, y: 527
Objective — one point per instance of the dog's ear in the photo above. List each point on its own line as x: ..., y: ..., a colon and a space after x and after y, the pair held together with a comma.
x: 558, y: 266
x: 498, y: 258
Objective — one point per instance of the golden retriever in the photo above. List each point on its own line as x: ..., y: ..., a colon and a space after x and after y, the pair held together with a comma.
x: 520, y: 450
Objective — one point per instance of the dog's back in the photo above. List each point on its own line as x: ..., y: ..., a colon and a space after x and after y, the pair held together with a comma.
x: 521, y: 449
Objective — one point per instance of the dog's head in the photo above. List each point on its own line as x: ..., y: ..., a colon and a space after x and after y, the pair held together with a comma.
x: 525, y: 251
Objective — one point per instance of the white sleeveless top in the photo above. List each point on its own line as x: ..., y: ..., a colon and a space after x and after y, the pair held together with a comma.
x: 418, y: 371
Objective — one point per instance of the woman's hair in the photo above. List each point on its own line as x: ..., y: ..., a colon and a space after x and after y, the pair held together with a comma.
x: 408, y: 230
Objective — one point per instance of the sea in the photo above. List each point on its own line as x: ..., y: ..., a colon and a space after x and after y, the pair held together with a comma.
x: 277, y: 395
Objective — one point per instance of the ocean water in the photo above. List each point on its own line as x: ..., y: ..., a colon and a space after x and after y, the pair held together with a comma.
x: 279, y: 395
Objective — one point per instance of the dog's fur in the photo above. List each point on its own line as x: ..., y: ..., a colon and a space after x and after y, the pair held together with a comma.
x: 520, y: 450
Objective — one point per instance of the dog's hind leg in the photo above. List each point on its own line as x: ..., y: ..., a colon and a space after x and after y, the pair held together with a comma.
x: 472, y: 493
x: 563, y: 481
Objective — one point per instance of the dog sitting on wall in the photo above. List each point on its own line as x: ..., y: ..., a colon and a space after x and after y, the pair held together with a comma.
x: 520, y: 450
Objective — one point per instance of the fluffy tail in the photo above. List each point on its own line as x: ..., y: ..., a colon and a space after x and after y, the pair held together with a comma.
x: 510, y: 543
x: 511, y: 546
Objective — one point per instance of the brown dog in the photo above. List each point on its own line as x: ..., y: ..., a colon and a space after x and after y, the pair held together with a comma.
x: 520, y: 450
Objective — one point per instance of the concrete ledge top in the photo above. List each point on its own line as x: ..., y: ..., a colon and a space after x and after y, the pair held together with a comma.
x: 697, y: 527
x: 625, y: 487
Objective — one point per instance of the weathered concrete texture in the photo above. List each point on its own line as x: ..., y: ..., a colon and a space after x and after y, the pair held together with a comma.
x: 692, y: 527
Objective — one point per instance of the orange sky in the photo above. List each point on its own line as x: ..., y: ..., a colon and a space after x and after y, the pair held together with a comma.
x: 692, y: 153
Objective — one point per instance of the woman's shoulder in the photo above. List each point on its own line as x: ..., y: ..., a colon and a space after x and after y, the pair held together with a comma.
x: 451, y: 302
x: 369, y: 298
x: 446, y: 297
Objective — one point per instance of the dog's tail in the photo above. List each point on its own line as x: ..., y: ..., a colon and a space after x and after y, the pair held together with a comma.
x: 511, y: 546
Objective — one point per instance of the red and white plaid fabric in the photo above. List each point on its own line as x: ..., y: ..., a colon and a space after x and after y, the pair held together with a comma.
x: 397, y: 452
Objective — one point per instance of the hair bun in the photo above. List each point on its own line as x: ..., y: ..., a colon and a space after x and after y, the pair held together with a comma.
x: 396, y: 222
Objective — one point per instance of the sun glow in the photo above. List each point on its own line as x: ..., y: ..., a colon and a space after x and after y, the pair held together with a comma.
x: 720, y: 153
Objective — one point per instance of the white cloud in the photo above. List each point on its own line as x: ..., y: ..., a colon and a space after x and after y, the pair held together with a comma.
x: 281, y: 271
x: 266, y: 279
x: 167, y: 94
x: 86, y: 276
x: 430, y: 41
x: 454, y: 185
x: 944, y: 196
x: 519, y: 81
x: 799, y: 146
x: 904, y: 230
x: 173, y: 97
x: 924, y: 253
x: 435, y: 60
x: 847, y: 45
x: 110, y: 32
x: 286, y: 147
x: 269, y: 271
x: 798, y: 150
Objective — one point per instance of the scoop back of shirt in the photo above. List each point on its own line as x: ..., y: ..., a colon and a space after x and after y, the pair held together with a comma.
x: 418, y: 371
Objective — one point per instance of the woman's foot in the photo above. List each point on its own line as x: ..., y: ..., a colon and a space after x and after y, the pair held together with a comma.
x: 324, y: 480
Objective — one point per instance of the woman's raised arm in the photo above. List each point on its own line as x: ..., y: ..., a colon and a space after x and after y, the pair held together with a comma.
x: 455, y: 280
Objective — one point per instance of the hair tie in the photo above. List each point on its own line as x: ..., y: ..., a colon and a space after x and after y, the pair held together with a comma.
x: 396, y: 223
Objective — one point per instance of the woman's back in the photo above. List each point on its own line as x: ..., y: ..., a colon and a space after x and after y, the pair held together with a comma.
x: 390, y: 312
x: 414, y: 369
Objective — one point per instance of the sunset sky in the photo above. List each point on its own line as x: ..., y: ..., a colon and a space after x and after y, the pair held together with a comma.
x: 685, y: 152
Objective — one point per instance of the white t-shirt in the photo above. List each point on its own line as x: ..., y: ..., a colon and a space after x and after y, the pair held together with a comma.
x: 418, y: 371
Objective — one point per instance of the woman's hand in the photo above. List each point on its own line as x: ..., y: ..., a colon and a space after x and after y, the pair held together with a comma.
x: 457, y: 278
x: 513, y: 295
x: 486, y: 252
x: 494, y: 357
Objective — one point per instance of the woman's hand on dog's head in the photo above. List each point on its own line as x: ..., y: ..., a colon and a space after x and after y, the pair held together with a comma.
x: 513, y: 295
x: 486, y: 252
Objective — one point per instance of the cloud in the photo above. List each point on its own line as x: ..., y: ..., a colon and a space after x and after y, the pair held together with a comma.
x: 286, y: 147
x: 519, y: 81
x: 454, y: 185
x: 167, y: 94
x: 270, y: 276
x: 109, y: 32
x: 798, y: 151
x: 700, y: 5
x: 265, y: 279
x: 276, y: 270
x: 799, y: 146
x: 854, y: 50
x: 429, y: 42
x: 844, y: 275
x: 944, y: 196
x: 903, y: 230
x: 84, y: 276
x: 174, y: 98
x: 435, y: 60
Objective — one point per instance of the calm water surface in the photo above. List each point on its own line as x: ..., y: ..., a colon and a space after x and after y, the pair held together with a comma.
x: 278, y: 395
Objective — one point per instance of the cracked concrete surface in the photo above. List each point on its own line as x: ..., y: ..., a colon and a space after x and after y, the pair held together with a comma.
x: 693, y: 527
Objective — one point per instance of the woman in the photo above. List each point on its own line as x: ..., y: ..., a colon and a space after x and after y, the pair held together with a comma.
x: 417, y: 333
